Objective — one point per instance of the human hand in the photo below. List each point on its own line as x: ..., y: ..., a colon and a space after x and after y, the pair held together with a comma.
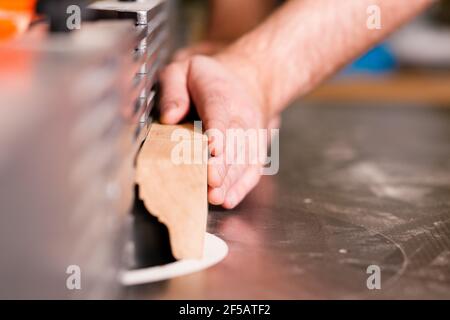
x: 227, y: 95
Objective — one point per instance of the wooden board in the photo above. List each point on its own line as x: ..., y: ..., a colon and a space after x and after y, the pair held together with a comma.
x: 174, y: 192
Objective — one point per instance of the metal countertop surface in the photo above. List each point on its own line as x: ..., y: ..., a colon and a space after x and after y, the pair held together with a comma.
x: 358, y: 186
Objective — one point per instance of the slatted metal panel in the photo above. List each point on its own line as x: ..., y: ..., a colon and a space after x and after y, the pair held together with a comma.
x: 71, y: 126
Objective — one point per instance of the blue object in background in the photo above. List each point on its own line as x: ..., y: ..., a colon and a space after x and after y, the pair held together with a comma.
x: 379, y: 60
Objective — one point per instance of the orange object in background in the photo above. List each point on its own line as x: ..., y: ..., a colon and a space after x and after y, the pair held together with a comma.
x: 15, y: 17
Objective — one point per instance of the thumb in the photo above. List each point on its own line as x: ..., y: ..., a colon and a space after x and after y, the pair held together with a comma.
x: 174, y: 93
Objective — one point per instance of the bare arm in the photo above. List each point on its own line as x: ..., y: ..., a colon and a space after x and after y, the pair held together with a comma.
x: 305, y: 41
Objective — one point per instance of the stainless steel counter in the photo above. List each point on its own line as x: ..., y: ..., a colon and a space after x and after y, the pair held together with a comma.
x: 358, y: 186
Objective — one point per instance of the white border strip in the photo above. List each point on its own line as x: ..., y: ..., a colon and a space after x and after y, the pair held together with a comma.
x: 215, y: 250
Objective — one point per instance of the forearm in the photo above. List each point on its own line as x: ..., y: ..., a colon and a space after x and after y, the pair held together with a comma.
x: 305, y: 41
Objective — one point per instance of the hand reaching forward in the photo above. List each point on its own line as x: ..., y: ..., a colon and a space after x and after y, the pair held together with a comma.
x: 226, y: 95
